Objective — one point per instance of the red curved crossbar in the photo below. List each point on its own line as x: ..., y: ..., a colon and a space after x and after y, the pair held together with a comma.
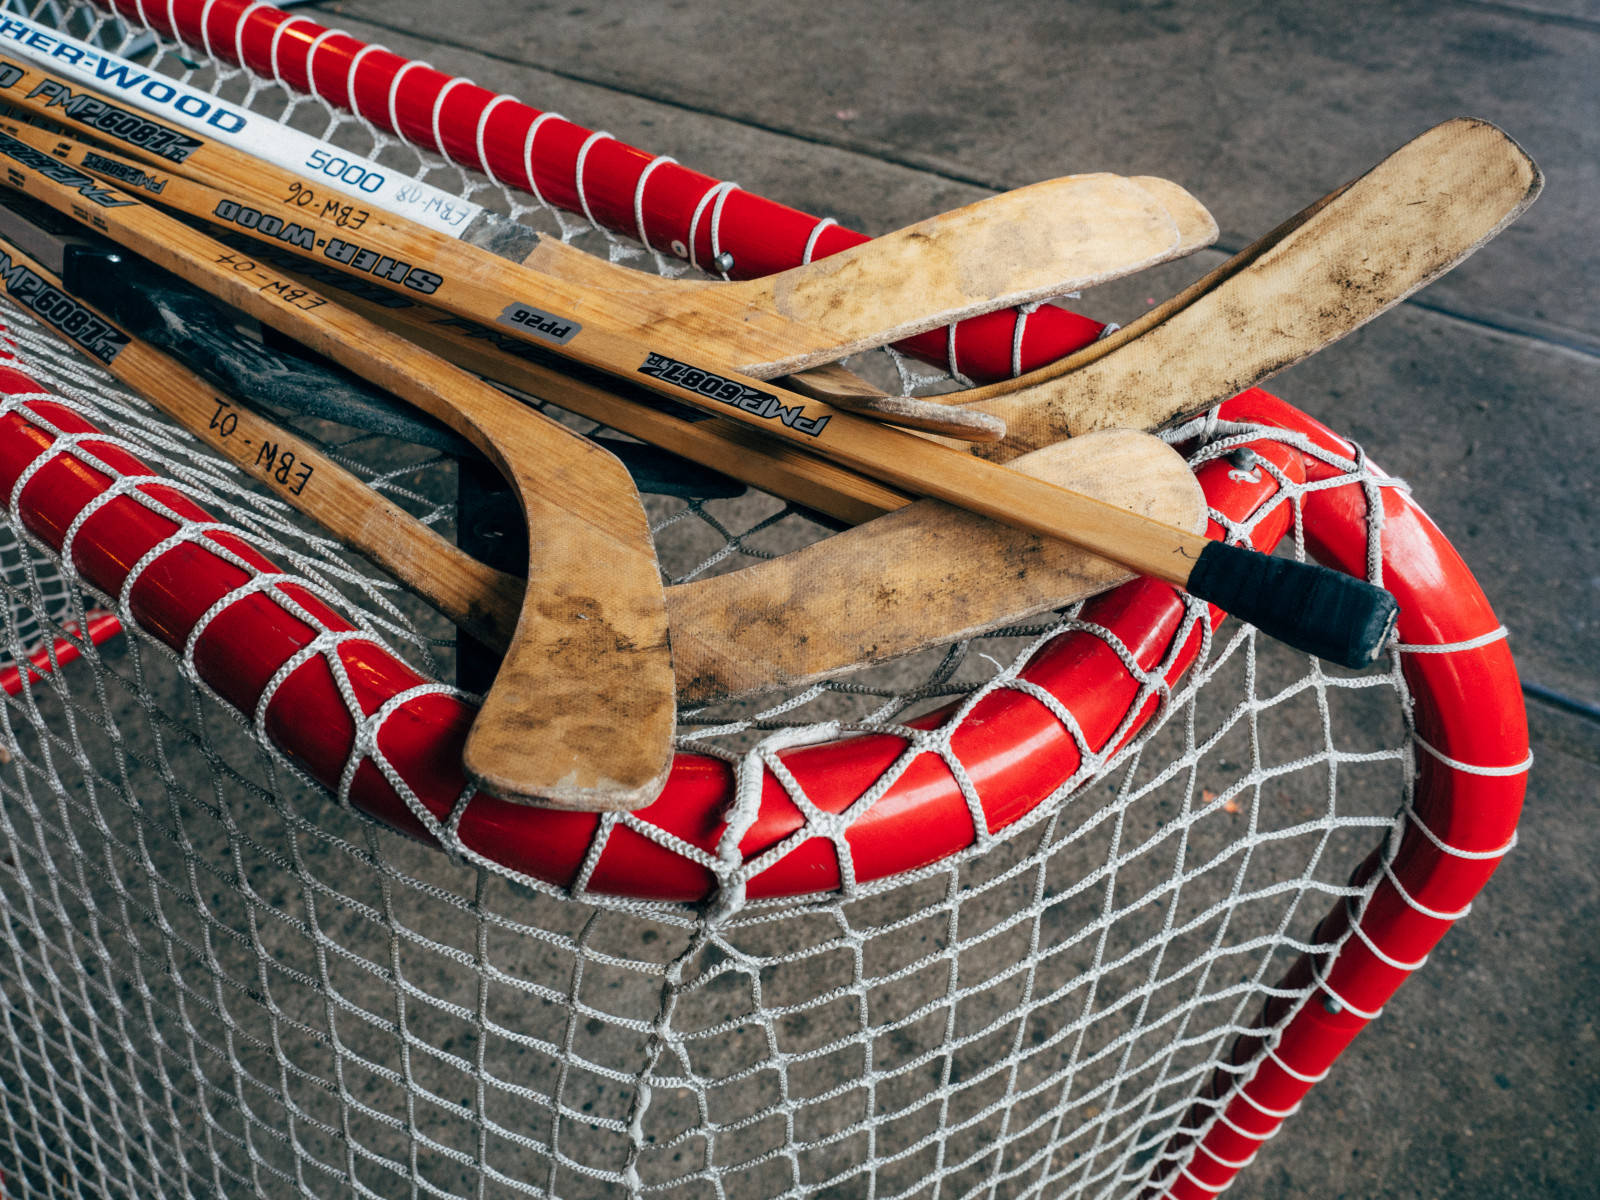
x: 1014, y: 750
x: 627, y: 190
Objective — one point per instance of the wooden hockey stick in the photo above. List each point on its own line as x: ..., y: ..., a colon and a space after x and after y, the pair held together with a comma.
x: 1040, y: 241
x: 1342, y: 261
x: 1325, y: 272
x: 1318, y: 610
x: 936, y: 572
x: 589, y: 654
x: 283, y: 156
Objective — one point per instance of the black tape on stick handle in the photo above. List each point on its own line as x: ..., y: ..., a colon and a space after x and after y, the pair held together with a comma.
x: 1312, y: 608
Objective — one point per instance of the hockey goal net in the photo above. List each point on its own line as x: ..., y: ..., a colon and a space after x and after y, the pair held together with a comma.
x: 1079, y: 908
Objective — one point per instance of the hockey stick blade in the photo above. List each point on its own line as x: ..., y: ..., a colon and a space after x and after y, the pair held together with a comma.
x: 590, y: 654
x: 1321, y: 275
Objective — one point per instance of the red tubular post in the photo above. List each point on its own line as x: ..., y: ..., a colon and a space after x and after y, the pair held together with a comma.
x: 624, y: 189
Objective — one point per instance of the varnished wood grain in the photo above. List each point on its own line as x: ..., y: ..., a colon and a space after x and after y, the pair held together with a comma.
x: 1327, y: 271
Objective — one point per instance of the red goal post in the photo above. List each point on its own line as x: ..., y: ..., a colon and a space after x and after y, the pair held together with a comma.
x: 651, y: 198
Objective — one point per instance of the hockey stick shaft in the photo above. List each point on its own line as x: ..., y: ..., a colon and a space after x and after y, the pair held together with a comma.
x: 1039, y: 241
x: 1297, y: 602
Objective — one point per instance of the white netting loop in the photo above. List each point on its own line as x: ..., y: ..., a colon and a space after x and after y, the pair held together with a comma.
x: 311, y: 57
x: 258, y: 584
x: 364, y: 747
x: 1017, y: 331
x: 1236, y: 1163
x: 415, y: 64
x: 479, y: 134
x: 355, y: 67
x: 1416, y: 821
x: 1377, y: 951
x: 325, y: 645
x: 1277, y: 1114
x: 205, y: 26
x: 589, y: 144
x: 1211, y: 1188
x: 1498, y: 634
x: 1415, y: 904
x: 713, y: 199
x: 1455, y: 764
x: 811, y: 240
x: 640, y: 232
x: 1292, y: 1072
x: 277, y: 40
x: 527, y: 152
x: 1222, y: 1117
x: 454, y: 82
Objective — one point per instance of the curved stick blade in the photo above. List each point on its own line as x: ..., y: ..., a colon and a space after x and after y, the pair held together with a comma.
x: 581, y: 714
x: 1054, y: 237
x: 935, y: 573
x: 1349, y: 258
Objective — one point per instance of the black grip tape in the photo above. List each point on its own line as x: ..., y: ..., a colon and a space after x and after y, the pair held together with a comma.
x: 1312, y: 608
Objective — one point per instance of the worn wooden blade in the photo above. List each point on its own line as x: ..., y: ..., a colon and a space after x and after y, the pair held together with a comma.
x: 843, y: 389
x: 831, y: 383
x: 1327, y: 271
x: 589, y: 655
x: 922, y: 576
x: 1044, y: 240
x: 1017, y: 244
x: 1106, y: 209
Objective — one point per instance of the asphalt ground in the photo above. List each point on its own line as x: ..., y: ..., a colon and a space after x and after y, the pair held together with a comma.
x: 1483, y: 1076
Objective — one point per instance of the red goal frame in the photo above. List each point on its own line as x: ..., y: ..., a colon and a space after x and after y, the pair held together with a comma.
x: 61, y: 475
x: 156, y: 556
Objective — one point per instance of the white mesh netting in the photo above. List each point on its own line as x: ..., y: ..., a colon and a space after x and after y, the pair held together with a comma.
x: 219, y: 980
